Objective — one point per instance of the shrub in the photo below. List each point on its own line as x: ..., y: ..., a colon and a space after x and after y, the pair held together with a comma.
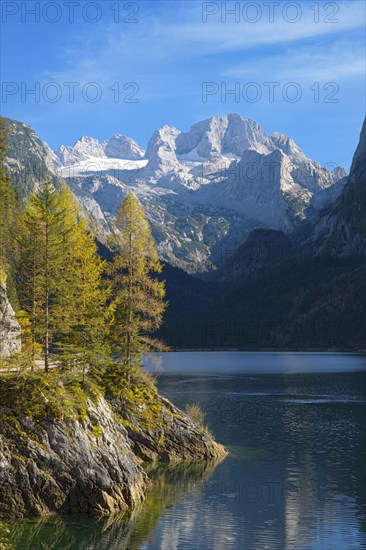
x: 196, y: 414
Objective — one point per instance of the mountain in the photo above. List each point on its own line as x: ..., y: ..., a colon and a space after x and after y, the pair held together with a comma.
x: 87, y: 148
x: 83, y: 149
x: 123, y: 147
x: 297, y: 287
x: 305, y: 292
x: 29, y: 160
x: 204, y: 190
x: 263, y: 247
x: 298, y: 304
x: 340, y: 229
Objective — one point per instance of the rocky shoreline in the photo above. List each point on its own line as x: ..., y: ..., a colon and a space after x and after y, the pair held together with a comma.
x: 92, y: 465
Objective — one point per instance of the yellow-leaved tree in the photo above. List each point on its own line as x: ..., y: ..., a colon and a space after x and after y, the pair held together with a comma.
x: 138, y: 296
x: 60, y: 277
x: 7, y: 208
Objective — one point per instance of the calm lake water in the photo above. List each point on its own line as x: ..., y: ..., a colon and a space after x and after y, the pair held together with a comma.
x: 295, y: 476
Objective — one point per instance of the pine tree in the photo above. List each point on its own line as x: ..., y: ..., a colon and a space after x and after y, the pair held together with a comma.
x: 138, y: 297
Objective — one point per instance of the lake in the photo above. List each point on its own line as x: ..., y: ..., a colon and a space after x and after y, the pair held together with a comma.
x: 294, y: 425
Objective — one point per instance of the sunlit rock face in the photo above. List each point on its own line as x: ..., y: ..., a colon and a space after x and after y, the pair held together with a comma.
x: 204, y: 190
x: 10, y: 340
x: 91, y: 466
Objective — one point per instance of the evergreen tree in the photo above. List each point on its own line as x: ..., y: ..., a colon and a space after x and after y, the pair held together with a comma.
x: 138, y: 298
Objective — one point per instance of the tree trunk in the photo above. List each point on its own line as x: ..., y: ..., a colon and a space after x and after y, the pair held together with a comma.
x: 129, y: 326
x: 46, y: 358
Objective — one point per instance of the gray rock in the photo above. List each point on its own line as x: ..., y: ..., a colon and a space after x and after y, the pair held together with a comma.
x: 177, y: 439
x: 59, y: 466
x: 93, y: 466
x: 340, y: 229
x: 10, y: 336
x: 84, y: 148
x: 123, y: 147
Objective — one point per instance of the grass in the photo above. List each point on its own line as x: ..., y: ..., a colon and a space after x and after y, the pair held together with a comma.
x: 196, y: 414
x: 5, y: 544
x: 55, y: 395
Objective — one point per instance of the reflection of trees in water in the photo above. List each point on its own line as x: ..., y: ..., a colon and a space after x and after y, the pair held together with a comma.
x: 171, y: 483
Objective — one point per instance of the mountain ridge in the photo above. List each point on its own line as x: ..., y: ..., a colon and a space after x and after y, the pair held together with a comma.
x: 203, y: 190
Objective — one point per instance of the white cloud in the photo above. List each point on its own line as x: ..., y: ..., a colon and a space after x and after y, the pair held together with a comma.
x: 164, y: 53
x: 331, y: 62
x: 194, y: 37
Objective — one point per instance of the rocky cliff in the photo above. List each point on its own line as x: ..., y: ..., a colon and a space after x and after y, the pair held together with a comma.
x: 9, y: 327
x: 340, y: 229
x: 201, y: 189
x: 87, y: 462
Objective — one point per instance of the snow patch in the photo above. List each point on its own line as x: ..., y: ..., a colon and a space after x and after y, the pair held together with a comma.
x: 99, y: 165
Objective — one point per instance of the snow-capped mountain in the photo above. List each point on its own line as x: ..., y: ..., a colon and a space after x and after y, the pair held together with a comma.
x: 83, y: 149
x: 123, y: 147
x: 86, y: 148
x: 204, y: 190
x: 223, y: 135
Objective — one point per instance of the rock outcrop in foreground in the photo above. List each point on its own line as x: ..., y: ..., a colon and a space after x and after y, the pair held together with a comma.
x: 10, y: 341
x: 91, y: 464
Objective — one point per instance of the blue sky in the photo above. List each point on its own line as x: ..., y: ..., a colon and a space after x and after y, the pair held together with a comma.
x: 107, y: 67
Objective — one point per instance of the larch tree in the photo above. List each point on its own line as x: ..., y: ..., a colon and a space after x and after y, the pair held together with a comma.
x: 7, y: 207
x: 138, y: 296
x: 7, y: 220
x: 41, y: 236
x: 59, y: 275
x: 81, y: 300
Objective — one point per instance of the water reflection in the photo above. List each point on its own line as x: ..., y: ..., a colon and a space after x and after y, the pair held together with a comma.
x: 171, y: 484
x: 295, y: 476
x: 294, y: 479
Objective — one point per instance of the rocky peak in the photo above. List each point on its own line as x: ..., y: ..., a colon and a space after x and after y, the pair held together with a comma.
x: 28, y: 159
x: 340, y: 228
x: 225, y: 134
x: 161, y: 150
x: 357, y: 172
x: 287, y: 145
x: 120, y: 146
x: 84, y: 148
x: 338, y: 173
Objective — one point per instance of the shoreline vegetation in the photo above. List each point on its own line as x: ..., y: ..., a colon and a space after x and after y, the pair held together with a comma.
x: 70, y: 449
x: 78, y: 415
